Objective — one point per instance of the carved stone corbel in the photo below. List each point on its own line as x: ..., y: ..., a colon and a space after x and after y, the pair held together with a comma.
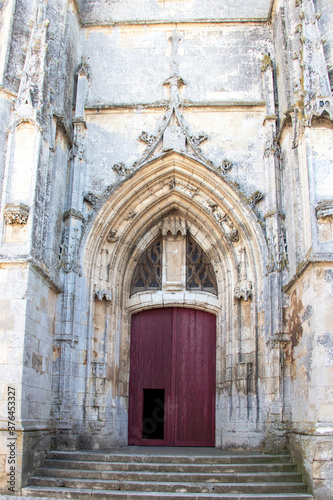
x: 16, y: 213
x: 103, y: 294
x: 324, y: 209
x: 111, y: 237
x: 99, y: 369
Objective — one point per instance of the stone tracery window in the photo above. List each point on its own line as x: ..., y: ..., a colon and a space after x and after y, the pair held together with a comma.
x: 199, y: 271
x: 148, y: 272
x: 200, y: 275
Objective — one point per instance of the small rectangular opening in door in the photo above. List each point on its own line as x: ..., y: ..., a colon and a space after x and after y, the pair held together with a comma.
x: 153, y: 414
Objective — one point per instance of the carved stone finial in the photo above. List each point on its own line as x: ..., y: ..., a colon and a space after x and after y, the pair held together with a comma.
x: 16, y: 213
x: 174, y: 225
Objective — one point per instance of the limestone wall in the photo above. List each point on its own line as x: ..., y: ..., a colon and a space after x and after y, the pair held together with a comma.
x: 309, y: 320
x: 28, y: 313
x: 96, y: 12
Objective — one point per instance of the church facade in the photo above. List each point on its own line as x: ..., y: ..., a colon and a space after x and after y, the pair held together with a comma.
x: 166, y: 278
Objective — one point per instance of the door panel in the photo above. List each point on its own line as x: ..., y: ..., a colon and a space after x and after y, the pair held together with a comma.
x: 150, y: 368
x: 172, y: 367
x: 195, y: 378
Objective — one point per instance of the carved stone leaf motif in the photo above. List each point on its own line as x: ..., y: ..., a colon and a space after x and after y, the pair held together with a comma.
x: 199, y: 271
x: 16, y: 213
x: 255, y: 198
x: 199, y: 139
x: 148, y: 271
x: 121, y: 169
x: 131, y: 215
x: 272, y: 148
x: 90, y: 198
x: 243, y: 290
x: 149, y: 139
x: 226, y: 165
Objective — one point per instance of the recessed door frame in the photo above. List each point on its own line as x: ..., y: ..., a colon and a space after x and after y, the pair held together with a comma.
x: 189, y: 339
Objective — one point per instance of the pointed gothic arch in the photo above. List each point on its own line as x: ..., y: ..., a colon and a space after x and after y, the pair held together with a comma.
x: 130, y: 219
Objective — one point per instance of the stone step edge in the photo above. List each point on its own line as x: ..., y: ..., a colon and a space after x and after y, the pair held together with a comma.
x: 171, y: 483
x: 90, y: 493
x: 164, y: 464
x: 119, y: 457
x: 51, y: 470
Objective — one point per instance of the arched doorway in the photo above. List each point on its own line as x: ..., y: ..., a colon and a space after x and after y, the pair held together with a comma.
x: 173, y: 208
x: 172, y: 378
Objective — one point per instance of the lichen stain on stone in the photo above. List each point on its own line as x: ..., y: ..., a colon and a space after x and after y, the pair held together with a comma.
x: 328, y: 277
x: 307, y: 313
x: 295, y: 321
x: 326, y: 341
x: 56, y: 352
x: 84, y: 357
x: 37, y: 363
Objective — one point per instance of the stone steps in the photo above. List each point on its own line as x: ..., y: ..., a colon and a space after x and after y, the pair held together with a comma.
x: 170, y: 467
x: 186, y: 474
x: 190, y: 458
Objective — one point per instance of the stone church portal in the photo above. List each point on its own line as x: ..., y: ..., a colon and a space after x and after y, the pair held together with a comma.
x: 166, y: 229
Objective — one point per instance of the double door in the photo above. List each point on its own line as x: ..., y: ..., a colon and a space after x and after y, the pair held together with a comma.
x: 172, y: 378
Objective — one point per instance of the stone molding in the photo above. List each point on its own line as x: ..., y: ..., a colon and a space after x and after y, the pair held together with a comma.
x: 243, y: 289
x: 174, y: 225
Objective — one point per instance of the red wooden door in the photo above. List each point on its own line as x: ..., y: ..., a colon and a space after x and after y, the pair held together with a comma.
x: 172, y: 378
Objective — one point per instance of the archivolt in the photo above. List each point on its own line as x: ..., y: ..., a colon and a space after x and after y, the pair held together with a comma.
x: 216, y: 216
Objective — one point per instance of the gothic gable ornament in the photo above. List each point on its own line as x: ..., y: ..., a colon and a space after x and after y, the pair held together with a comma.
x: 173, y: 135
